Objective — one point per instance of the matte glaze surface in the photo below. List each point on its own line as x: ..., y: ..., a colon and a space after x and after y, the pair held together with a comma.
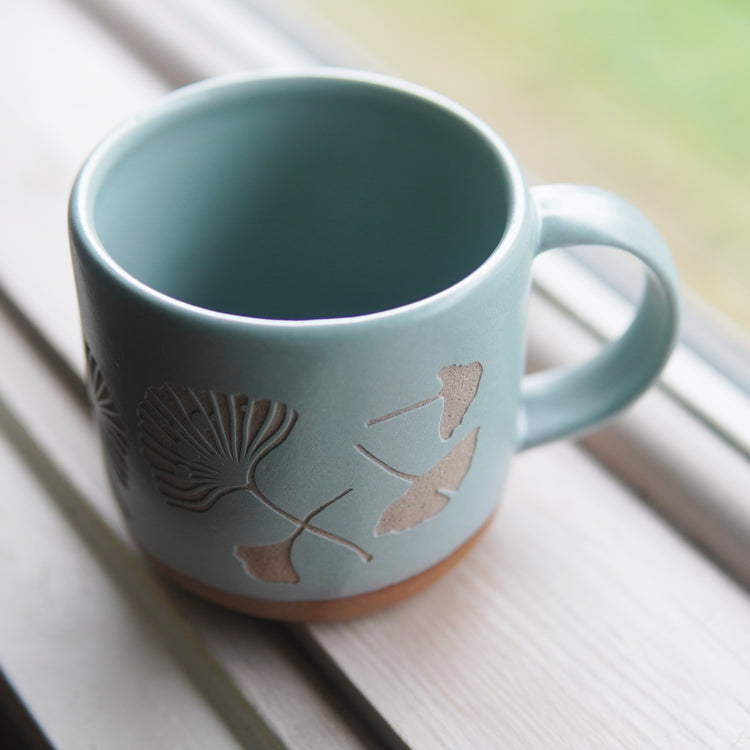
x: 303, y: 299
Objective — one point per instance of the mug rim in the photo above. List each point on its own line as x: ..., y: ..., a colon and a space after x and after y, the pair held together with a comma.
x: 94, y: 170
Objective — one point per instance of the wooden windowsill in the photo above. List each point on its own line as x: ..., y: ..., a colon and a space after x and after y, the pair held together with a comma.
x: 582, y: 619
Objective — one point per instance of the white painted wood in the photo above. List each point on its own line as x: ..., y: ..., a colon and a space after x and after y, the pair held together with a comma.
x: 189, y: 39
x: 580, y: 621
x: 92, y: 669
x: 247, y: 670
x: 66, y: 80
x: 698, y: 385
x: 687, y: 472
x: 580, y: 617
x: 75, y: 83
x: 302, y: 708
x: 64, y: 84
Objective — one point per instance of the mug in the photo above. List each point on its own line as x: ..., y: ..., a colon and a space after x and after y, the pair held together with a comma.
x: 303, y: 298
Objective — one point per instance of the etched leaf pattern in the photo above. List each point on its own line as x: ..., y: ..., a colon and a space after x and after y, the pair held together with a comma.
x: 203, y: 445
x: 273, y: 562
x: 108, y: 419
x: 426, y: 496
x: 459, y: 387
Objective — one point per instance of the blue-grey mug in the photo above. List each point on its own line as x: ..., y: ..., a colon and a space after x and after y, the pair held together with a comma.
x: 303, y: 297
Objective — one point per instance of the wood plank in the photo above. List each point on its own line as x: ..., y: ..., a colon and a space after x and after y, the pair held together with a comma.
x: 185, y: 40
x: 684, y: 469
x: 95, y: 83
x: 78, y: 99
x: 246, y: 669
x: 71, y: 70
x: 65, y: 83
x: 581, y: 616
x: 76, y: 650
x: 579, y: 621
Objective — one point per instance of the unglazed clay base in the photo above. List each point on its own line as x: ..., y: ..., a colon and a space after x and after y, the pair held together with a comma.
x: 327, y: 609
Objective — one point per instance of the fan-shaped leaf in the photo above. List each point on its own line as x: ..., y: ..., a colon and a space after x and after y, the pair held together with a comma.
x: 108, y: 419
x: 273, y: 562
x: 205, y: 444
x: 270, y: 562
x: 426, y: 496
x: 460, y: 385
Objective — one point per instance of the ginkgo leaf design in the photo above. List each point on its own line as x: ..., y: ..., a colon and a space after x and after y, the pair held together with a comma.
x: 426, y: 496
x: 108, y: 419
x: 460, y: 385
x: 273, y: 562
x: 204, y: 445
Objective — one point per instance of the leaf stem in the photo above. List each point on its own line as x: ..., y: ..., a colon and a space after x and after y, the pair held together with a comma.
x: 304, y: 523
x: 384, y: 465
x: 405, y: 409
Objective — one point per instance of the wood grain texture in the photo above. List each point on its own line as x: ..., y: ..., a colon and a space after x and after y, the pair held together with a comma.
x: 579, y: 621
x: 261, y: 687
x: 82, y: 657
x: 681, y: 467
x: 65, y: 84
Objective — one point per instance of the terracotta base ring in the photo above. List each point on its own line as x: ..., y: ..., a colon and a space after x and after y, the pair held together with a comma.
x: 326, y: 609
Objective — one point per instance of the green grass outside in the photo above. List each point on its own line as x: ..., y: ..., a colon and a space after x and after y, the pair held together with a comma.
x: 650, y: 98
x: 683, y: 66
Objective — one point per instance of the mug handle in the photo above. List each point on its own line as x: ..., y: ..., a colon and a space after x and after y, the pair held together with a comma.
x: 560, y: 402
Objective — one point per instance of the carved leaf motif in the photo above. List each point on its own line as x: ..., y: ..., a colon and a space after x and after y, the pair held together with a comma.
x: 108, y: 419
x: 426, y: 496
x: 273, y: 562
x: 204, y: 444
x: 270, y: 562
x: 460, y: 385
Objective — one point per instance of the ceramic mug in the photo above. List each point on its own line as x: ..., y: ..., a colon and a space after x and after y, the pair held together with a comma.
x: 303, y: 299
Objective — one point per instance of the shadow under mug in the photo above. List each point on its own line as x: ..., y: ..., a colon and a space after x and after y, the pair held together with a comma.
x: 303, y: 298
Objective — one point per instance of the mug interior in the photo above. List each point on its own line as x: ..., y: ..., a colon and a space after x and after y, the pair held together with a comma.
x: 302, y: 198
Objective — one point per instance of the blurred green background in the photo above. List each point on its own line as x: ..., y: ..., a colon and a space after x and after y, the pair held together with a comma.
x: 649, y: 98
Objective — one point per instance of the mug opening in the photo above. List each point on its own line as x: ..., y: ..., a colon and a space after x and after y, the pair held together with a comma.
x: 301, y: 198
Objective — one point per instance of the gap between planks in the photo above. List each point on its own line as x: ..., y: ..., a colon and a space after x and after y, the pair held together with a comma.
x: 248, y: 670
